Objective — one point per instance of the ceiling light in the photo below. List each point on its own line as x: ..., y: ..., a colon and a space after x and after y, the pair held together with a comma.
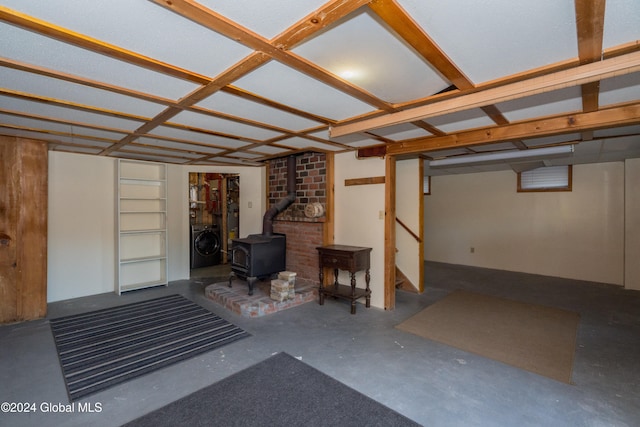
x: 351, y: 73
x: 504, y: 156
x: 347, y: 74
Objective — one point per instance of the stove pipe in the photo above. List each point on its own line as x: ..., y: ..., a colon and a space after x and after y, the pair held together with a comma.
x: 267, y: 220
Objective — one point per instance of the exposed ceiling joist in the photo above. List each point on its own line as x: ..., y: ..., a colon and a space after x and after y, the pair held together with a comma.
x: 590, y: 28
x: 614, y: 67
x: 244, y: 85
x: 608, y: 118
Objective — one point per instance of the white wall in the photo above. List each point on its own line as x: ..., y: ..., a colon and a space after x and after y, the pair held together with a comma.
x: 357, y: 221
x: 408, y: 197
x: 81, y: 229
x: 632, y: 224
x: 81, y: 226
x: 577, y: 234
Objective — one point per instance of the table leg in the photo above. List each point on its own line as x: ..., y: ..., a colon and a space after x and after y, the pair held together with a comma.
x: 353, y: 293
x: 321, y: 288
x: 367, y: 278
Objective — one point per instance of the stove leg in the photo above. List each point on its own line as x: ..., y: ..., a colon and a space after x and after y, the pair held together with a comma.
x: 251, y: 281
x: 231, y: 277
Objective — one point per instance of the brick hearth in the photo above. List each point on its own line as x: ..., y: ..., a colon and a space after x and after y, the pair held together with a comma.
x: 236, y: 298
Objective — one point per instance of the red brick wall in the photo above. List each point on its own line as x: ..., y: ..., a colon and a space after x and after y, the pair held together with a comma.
x: 303, y: 234
x: 302, y: 240
x: 311, y: 172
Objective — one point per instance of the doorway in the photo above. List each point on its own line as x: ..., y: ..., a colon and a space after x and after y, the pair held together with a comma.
x: 214, y: 214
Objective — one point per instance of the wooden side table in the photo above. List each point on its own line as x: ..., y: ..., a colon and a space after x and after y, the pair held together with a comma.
x: 348, y: 258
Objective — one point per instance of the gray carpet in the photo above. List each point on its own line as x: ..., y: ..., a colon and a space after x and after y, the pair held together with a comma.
x: 279, y: 391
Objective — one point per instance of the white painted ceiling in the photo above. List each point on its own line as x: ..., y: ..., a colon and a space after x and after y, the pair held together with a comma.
x: 243, y: 81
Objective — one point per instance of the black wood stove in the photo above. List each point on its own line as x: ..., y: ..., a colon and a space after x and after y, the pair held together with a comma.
x: 258, y: 256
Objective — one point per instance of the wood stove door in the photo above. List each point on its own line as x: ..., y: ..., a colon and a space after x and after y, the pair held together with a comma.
x: 240, y: 260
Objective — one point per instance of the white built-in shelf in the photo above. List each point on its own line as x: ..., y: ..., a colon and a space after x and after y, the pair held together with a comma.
x: 141, y: 225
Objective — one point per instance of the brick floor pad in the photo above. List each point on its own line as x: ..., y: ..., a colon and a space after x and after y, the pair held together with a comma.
x: 236, y: 298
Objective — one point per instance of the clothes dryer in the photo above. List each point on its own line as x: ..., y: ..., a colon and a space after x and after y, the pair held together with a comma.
x: 205, y: 245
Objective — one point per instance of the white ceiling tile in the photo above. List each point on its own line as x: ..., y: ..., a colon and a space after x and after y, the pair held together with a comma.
x: 364, y: 143
x: 156, y: 142
x: 354, y: 140
x: 410, y: 77
x: 493, y: 147
x: 491, y: 39
x: 623, y: 130
x: 622, y: 144
x: 267, y: 18
x: 461, y: 120
x: 28, y: 123
x: 204, y: 121
x: 161, y: 152
x: 548, y: 140
x: 567, y: 100
x: 28, y: 47
x: 141, y: 27
x: 245, y: 155
x: 72, y: 140
x: 621, y: 22
x: 149, y: 157
x: 197, y: 137
x: 79, y: 94
x: 77, y: 150
x: 619, y: 89
x: 269, y: 150
x: 233, y: 161
x: 401, y: 132
x: 303, y: 143
x: 588, y: 148
x: 46, y: 110
x: 282, y: 84
x: 440, y: 154
x: 236, y: 106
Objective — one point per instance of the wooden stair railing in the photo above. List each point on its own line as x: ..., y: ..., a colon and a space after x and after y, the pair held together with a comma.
x: 414, y: 235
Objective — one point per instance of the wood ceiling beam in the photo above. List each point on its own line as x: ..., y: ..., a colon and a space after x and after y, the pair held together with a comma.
x: 244, y: 66
x: 278, y: 47
x: 625, y: 115
x: 403, y: 24
x: 182, y: 141
x: 62, y: 121
x: 241, y: 93
x: 209, y: 85
x: 20, y: 66
x: 72, y: 105
x: 51, y: 132
x: 250, y: 63
x: 47, y: 72
x: 400, y: 21
x: 80, y: 40
x: 582, y: 74
x: 590, y: 31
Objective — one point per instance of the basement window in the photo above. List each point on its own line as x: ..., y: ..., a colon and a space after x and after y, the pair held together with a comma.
x: 553, y: 178
x: 426, y: 185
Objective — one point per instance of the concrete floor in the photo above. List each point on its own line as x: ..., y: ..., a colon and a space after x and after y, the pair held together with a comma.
x: 431, y: 383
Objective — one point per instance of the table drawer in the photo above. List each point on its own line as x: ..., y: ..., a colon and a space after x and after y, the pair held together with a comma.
x: 342, y: 262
